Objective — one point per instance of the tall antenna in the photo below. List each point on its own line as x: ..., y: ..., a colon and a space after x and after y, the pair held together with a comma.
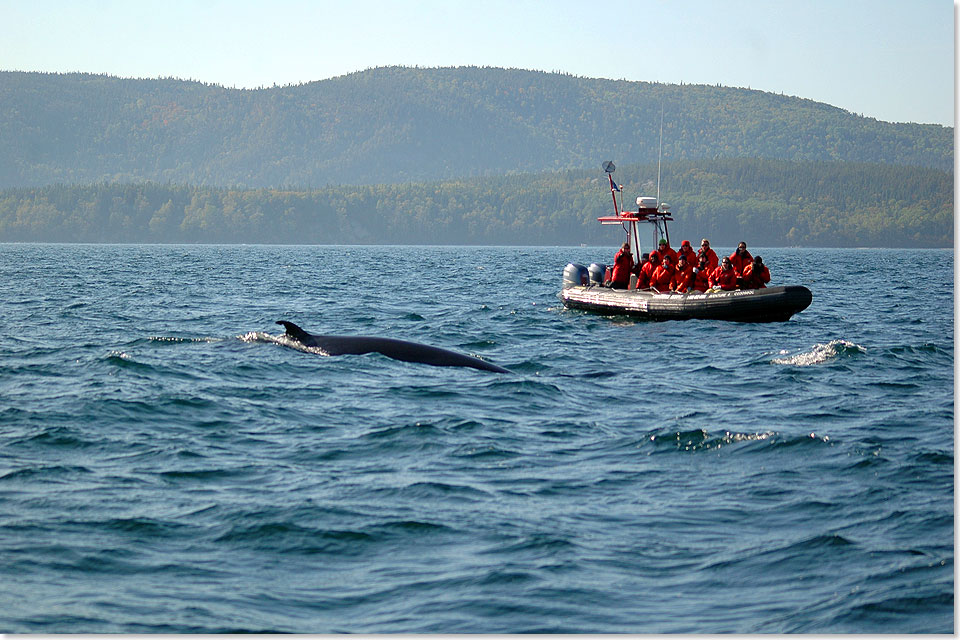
x: 659, y: 154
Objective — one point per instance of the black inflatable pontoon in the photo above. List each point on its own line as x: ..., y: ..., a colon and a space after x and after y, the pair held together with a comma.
x: 773, y: 304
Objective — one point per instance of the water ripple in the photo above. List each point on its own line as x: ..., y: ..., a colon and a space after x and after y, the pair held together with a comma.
x: 166, y: 468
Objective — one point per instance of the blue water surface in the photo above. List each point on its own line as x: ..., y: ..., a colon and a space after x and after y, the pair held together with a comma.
x: 168, y: 464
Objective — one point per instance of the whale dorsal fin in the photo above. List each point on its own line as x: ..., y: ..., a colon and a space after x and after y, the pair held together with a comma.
x: 294, y: 331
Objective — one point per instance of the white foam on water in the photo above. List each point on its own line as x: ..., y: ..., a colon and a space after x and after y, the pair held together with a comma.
x: 820, y: 353
x: 283, y: 340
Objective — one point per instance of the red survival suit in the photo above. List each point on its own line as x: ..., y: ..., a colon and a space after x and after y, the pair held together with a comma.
x: 755, y: 276
x: 664, y: 249
x: 740, y: 261
x: 701, y: 279
x: 646, y: 272
x: 726, y: 280
x: 687, y: 252
x: 712, y: 260
x: 682, y: 279
x: 662, y: 276
x: 622, y: 266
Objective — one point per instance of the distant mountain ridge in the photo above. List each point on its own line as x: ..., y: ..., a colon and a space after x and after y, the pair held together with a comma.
x: 400, y: 124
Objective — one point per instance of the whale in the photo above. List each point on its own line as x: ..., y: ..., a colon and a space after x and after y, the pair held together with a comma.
x: 390, y: 347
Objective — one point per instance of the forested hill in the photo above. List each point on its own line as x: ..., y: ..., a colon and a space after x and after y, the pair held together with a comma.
x: 396, y: 124
x: 767, y: 202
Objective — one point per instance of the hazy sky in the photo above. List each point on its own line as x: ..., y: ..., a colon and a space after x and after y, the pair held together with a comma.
x: 888, y: 59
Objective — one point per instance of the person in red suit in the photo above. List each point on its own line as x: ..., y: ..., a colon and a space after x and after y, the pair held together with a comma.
x: 622, y: 266
x: 687, y: 252
x: 701, y: 279
x: 662, y: 275
x: 712, y: 260
x: 724, y: 277
x: 643, y: 278
x: 740, y: 259
x: 756, y: 275
x: 665, y: 250
x: 683, y: 277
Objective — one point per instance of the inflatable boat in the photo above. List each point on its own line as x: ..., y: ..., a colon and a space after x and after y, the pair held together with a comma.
x: 583, y: 287
x: 772, y: 304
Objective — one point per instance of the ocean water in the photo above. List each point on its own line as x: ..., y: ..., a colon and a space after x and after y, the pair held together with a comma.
x: 169, y: 464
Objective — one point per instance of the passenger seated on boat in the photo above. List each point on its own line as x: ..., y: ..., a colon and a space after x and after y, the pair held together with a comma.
x: 756, y: 275
x: 701, y: 275
x: 644, y: 259
x: 687, y: 252
x: 683, y: 276
x: 646, y: 273
x: 740, y: 258
x: 637, y: 268
x: 712, y: 260
x: 622, y: 266
x: 724, y: 277
x: 665, y: 250
x: 663, y: 275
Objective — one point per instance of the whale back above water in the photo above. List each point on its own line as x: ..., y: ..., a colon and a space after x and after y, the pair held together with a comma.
x: 392, y: 348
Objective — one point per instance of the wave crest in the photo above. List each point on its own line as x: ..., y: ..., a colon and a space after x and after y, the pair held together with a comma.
x: 821, y: 353
x: 283, y: 340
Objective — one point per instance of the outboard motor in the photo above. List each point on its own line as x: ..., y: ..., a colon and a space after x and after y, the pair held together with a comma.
x: 597, y: 272
x: 575, y: 275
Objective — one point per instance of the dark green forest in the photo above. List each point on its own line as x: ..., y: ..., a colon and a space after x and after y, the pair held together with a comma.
x: 766, y: 202
x: 399, y: 124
